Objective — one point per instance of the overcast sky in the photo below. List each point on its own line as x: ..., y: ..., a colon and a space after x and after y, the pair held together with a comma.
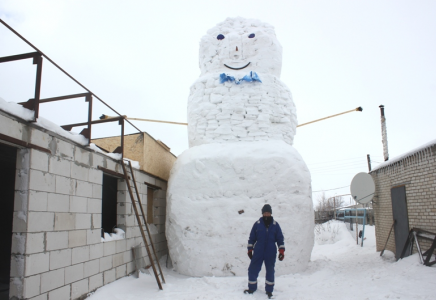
x: 141, y: 57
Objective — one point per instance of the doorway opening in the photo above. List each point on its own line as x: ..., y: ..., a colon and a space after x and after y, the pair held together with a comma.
x: 8, y: 159
x: 401, y: 218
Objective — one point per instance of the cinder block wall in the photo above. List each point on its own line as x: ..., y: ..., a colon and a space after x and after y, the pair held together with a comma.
x: 57, y: 252
x: 418, y: 173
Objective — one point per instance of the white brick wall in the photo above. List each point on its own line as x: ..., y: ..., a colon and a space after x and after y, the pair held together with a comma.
x: 31, y: 286
x: 95, y: 281
x: 40, y: 181
x: 58, y: 203
x: 73, y: 273
x: 91, y: 267
x: 57, y: 222
x: 64, y: 185
x: 38, y: 201
x: 83, y: 221
x: 80, y: 254
x: 60, y: 259
x: 76, y: 238
x: 79, y: 288
x: 59, y: 166
x: 36, y: 264
x: 62, y: 293
x: 34, y: 243
x: 52, y: 280
x: 416, y: 172
x: 56, y: 240
x: 64, y: 221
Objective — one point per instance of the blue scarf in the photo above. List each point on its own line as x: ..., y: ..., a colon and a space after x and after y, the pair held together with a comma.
x: 252, y: 77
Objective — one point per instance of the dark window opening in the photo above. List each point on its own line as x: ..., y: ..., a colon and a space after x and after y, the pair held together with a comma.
x: 109, y: 204
x: 150, y: 215
x: 8, y: 158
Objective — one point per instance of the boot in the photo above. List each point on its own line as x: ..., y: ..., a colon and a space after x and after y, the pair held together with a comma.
x: 270, y: 295
x: 248, y: 292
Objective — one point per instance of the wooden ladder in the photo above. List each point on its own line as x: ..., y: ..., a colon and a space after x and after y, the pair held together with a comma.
x: 131, y: 183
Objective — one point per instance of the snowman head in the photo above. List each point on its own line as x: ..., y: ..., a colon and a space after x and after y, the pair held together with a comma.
x: 241, y: 45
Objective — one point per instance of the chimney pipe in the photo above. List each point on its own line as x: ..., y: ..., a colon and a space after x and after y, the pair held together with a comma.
x: 384, y: 133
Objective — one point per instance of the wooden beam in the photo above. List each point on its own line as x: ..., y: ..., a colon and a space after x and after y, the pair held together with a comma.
x: 21, y: 143
x: 110, y: 172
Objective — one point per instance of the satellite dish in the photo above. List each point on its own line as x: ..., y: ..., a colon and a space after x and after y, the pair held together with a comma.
x: 362, y: 188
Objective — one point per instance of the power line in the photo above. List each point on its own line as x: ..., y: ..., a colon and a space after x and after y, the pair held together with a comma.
x: 333, y: 167
x: 325, y: 162
x: 331, y: 189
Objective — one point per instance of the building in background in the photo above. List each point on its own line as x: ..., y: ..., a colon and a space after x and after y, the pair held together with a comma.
x: 154, y: 156
x: 406, y: 193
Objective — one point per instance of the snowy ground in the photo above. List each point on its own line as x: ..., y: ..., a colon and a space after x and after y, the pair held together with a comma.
x: 339, y: 269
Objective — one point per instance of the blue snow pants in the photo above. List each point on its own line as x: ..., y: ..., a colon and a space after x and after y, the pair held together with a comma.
x: 254, y: 269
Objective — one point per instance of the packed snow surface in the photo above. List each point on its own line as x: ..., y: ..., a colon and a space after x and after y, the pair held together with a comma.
x: 208, y: 187
x: 339, y: 269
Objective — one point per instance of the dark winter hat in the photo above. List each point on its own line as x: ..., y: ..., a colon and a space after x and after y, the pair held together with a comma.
x: 266, y: 208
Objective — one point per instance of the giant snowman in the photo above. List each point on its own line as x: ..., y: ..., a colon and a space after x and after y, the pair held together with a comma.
x: 242, y: 122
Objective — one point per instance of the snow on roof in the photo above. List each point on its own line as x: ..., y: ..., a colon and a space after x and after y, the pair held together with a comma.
x: 27, y: 115
x: 399, y: 158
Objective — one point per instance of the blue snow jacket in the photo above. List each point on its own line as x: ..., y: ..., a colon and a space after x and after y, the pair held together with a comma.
x: 263, y: 240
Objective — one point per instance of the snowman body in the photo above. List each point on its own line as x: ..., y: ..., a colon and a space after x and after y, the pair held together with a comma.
x: 242, y: 122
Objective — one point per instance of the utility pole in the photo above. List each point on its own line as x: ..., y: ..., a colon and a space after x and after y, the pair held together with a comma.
x: 334, y: 207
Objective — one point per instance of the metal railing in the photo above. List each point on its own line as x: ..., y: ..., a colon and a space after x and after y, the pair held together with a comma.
x: 33, y: 104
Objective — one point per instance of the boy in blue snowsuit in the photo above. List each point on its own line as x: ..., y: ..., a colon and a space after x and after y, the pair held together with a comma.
x: 262, y: 248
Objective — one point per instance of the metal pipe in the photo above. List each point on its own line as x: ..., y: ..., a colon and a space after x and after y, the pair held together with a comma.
x: 418, y: 247
x: 180, y: 123
x: 345, y: 112
x: 384, y: 133
x: 38, y: 61
x: 157, y: 121
x: 368, y: 158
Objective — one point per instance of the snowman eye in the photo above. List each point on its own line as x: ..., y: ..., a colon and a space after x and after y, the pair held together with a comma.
x: 220, y: 37
x: 251, y: 35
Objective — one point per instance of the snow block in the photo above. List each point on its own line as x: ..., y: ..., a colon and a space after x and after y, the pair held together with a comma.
x: 210, y: 184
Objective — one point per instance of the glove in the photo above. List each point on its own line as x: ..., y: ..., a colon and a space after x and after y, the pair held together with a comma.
x: 250, y: 254
x: 281, y: 254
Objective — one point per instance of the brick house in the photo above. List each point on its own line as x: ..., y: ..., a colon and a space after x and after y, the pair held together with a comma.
x: 405, y: 192
x: 57, y: 196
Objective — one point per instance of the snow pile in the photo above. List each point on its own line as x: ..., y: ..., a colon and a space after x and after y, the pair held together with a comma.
x: 118, y: 234
x: 328, y: 233
x: 116, y: 156
x: 49, y: 125
x: 210, y: 184
x: 16, y: 110
x: 340, y: 270
x: 250, y: 111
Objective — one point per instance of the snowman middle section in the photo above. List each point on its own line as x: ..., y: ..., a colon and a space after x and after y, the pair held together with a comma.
x: 229, y: 111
